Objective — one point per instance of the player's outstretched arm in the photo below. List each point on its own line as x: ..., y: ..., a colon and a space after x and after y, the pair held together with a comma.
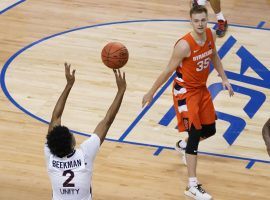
x: 60, y: 105
x: 266, y: 135
x: 103, y: 126
x: 180, y: 51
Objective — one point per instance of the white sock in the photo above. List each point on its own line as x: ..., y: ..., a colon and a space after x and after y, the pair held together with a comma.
x: 220, y: 16
x: 192, y: 181
x: 183, y: 144
x: 201, y: 2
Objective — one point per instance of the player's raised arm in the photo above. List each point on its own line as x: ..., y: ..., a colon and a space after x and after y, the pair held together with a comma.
x: 180, y: 51
x: 60, y: 105
x: 103, y: 126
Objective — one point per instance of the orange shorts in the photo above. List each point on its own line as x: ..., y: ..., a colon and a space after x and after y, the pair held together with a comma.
x: 193, y: 107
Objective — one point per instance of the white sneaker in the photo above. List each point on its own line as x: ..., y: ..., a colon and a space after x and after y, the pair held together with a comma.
x: 182, y: 151
x: 197, y: 192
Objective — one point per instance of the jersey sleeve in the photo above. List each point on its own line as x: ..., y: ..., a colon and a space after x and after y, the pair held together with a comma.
x: 90, y: 147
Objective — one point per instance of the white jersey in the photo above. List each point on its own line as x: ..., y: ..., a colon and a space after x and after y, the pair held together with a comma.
x: 71, y: 175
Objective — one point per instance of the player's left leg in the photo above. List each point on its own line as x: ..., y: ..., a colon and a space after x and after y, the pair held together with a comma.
x: 208, y: 130
x: 194, y: 189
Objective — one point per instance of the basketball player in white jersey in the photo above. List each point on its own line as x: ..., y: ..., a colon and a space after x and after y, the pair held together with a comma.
x: 70, y: 170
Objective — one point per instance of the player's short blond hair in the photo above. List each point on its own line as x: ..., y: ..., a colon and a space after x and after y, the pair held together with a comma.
x: 198, y: 9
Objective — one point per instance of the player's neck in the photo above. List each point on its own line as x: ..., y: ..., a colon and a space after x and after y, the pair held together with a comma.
x: 199, y: 38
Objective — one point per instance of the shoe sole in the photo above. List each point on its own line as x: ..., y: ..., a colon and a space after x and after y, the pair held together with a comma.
x: 189, y: 194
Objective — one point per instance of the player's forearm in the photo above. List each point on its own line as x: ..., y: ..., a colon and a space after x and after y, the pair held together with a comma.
x: 114, y: 108
x: 219, y: 67
x: 163, y: 77
x: 60, y: 105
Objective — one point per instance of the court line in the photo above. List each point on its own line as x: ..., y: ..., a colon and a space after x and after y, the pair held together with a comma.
x: 146, y: 108
x: 160, y: 148
x: 250, y: 164
x: 11, y: 6
x: 260, y: 25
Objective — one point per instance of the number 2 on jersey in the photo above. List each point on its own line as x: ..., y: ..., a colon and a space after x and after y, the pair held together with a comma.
x: 67, y: 182
x: 203, y: 64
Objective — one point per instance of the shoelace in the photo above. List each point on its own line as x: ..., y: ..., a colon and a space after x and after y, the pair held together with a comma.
x: 199, y: 187
x: 221, y: 25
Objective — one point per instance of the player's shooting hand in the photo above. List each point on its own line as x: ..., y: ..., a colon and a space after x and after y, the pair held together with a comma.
x: 120, y: 80
x: 69, y: 76
x: 227, y: 85
x: 147, y: 98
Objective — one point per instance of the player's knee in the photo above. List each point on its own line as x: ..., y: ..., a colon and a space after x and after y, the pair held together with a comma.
x: 193, y: 141
x: 208, y: 130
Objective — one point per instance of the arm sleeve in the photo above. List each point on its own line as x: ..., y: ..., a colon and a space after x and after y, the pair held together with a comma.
x: 90, y: 147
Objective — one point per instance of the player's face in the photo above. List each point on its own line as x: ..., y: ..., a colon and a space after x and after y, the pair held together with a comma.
x: 199, y: 22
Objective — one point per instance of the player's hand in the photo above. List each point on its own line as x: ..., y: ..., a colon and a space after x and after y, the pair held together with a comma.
x: 70, y: 77
x: 120, y: 80
x: 227, y: 85
x: 147, y: 98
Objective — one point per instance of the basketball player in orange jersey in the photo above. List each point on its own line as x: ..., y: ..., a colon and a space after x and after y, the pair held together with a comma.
x: 194, y: 108
x: 222, y: 24
x: 266, y: 135
x: 70, y: 170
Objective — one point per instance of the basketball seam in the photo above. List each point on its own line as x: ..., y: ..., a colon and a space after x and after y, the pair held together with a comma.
x: 118, y: 50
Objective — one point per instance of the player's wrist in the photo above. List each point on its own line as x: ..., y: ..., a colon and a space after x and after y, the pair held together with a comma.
x: 69, y: 85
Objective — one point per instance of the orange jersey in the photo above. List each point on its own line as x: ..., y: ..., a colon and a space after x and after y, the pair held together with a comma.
x: 192, y: 100
x: 194, y: 70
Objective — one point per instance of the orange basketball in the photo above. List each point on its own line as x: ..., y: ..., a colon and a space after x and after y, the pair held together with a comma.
x: 114, y: 55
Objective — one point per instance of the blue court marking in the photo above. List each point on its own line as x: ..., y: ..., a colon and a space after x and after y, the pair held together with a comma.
x: 158, y: 151
x: 251, y: 27
x: 257, y: 98
x: 6, y: 92
x: 250, y: 164
x: 159, y: 147
x: 215, y: 26
x: 235, y: 128
x: 261, y: 24
x: 249, y: 61
x: 224, y: 49
x: 139, y: 117
x: 11, y: 6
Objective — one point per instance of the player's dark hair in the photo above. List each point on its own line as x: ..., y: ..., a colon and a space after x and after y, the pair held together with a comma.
x: 196, y: 9
x: 60, y: 141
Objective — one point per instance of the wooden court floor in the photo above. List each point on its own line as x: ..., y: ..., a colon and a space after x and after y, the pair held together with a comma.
x: 137, y: 161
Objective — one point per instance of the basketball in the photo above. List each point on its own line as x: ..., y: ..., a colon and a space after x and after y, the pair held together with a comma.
x: 114, y: 55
